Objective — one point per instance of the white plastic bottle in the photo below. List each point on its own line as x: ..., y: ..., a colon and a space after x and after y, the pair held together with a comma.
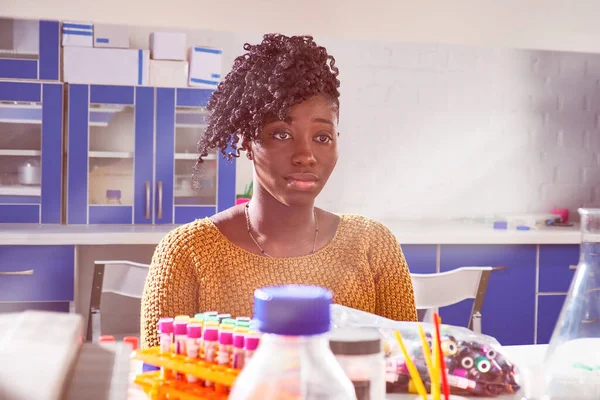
x: 293, y: 360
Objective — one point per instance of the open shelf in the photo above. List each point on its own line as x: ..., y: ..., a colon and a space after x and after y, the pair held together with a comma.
x: 20, y: 190
x: 110, y: 154
x: 26, y: 153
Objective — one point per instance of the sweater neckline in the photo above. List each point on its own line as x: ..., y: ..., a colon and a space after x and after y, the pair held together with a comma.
x: 322, y: 250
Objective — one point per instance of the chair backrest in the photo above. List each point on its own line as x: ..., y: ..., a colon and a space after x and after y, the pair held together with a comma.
x: 447, y: 288
x: 125, y: 278
x: 433, y: 291
x: 120, y: 278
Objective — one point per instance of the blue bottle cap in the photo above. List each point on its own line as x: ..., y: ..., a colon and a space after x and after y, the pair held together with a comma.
x: 293, y: 310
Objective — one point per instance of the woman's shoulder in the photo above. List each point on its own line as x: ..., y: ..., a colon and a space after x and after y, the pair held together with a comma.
x: 364, y: 225
x: 200, y: 232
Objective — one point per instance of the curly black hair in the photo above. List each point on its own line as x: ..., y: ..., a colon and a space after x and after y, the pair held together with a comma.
x: 263, y: 84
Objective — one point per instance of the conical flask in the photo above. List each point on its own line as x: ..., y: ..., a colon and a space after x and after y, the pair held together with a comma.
x: 572, y: 365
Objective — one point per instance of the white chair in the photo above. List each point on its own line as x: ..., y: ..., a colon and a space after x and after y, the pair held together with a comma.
x: 118, y: 277
x: 433, y: 291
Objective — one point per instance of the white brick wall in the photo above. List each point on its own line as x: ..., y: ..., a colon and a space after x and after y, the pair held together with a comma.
x: 440, y: 130
x: 432, y: 130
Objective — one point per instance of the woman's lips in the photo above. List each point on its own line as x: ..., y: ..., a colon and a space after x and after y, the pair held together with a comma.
x: 302, y: 182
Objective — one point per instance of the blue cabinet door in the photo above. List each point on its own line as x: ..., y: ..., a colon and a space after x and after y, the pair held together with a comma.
x: 509, y: 304
x: 549, y: 308
x: 556, y: 273
x: 31, y: 120
x: 110, y: 154
x: 186, y: 191
x: 421, y: 258
x: 47, y: 66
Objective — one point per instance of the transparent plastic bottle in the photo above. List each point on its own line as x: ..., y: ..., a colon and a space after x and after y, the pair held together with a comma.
x: 572, y: 367
x: 293, y: 360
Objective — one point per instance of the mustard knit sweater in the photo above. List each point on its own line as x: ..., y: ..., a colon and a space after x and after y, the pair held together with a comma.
x: 195, y: 268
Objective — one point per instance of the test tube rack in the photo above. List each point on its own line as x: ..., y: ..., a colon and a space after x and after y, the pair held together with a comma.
x: 160, y: 388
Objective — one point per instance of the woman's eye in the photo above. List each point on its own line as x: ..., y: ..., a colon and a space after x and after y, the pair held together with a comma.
x: 324, y: 139
x: 281, y: 135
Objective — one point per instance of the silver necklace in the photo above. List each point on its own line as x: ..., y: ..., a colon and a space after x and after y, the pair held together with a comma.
x: 260, y: 247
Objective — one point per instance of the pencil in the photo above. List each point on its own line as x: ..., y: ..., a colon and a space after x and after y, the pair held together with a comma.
x: 426, y: 354
x: 435, y: 364
x: 412, y: 370
x: 445, y: 388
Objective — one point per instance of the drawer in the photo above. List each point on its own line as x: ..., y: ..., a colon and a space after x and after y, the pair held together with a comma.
x: 37, y: 273
x: 58, y: 306
x: 555, y: 272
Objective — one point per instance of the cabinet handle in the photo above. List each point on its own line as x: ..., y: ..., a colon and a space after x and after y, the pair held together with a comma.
x: 572, y: 266
x: 160, y: 198
x: 28, y: 272
x: 147, y: 199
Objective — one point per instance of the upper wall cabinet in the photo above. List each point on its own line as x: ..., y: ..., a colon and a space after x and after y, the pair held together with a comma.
x: 29, y: 49
x: 131, y: 157
x: 31, y: 125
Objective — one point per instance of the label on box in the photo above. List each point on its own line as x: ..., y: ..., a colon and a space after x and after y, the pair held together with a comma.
x: 114, y: 36
x: 77, y: 34
x: 205, y: 67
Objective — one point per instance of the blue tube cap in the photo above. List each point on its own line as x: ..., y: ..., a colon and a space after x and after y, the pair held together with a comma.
x: 293, y: 310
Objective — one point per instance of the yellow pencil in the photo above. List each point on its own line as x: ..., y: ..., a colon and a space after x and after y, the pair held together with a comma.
x: 435, y: 363
x: 412, y: 370
x: 426, y: 353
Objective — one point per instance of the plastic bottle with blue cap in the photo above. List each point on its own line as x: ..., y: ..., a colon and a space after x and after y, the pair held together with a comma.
x: 293, y: 360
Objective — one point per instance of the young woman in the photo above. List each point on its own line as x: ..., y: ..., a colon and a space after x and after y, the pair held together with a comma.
x: 279, y: 104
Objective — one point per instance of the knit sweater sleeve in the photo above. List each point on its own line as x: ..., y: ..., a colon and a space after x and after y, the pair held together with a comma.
x: 393, y: 284
x: 171, y: 286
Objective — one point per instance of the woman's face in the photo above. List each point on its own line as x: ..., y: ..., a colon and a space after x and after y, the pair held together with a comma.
x: 295, y: 157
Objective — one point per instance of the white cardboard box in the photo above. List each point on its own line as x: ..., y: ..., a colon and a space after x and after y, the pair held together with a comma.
x: 168, y: 46
x: 41, y: 347
x: 106, y: 66
x: 113, y: 36
x: 77, y: 34
x: 205, y: 67
x: 164, y: 73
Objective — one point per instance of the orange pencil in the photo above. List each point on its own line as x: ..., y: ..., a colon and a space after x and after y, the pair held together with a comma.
x: 446, y: 389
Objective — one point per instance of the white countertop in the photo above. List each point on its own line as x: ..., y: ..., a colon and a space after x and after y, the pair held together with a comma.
x: 407, y: 232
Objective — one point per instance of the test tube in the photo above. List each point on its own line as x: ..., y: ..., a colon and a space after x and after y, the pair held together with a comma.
x: 211, y: 341
x: 237, y: 360
x: 180, y: 330
x: 223, y: 316
x: 194, y: 334
x: 165, y: 329
x: 104, y: 339
x: 250, y: 346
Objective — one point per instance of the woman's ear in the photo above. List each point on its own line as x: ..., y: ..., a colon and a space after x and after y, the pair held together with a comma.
x: 248, y: 147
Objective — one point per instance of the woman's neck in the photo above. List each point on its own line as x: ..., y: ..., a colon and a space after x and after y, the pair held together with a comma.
x: 273, y: 220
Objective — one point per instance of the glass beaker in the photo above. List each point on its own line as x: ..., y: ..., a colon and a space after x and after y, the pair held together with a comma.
x: 572, y: 365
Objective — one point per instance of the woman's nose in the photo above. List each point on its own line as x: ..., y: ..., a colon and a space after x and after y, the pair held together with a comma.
x: 303, y: 153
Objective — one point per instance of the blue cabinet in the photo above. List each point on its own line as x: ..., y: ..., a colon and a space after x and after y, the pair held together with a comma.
x: 46, y: 66
x: 549, y: 308
x: 556, y: 273
x: 421, y: 258
x: 36, y: 277
x: 131, y: 157
x: 189, y: 191
x: 31, y: 124
x: 509, y: 305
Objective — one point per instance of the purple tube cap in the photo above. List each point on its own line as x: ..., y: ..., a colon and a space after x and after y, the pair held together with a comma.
x: 212, y: 335
x: 165, y: 325
x: 226, y: 337
x: 194, y: 331
x: 180, y: 327
x: 238, y: 341
x: 251, y: 343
